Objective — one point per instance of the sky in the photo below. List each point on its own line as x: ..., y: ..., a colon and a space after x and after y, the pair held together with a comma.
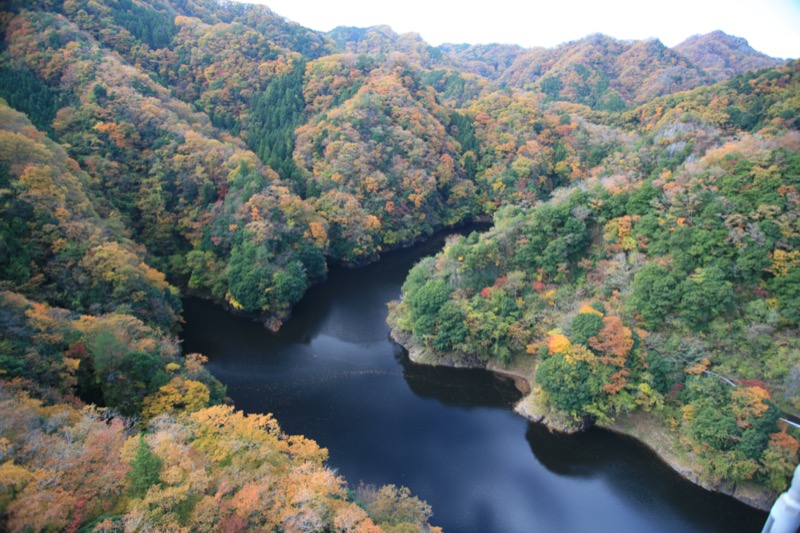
x: 770, y: 26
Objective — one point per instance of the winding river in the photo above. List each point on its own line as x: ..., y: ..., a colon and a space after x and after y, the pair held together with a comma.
x: 333, y: 375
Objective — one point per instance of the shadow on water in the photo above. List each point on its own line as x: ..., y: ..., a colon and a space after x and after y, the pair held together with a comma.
x: 636, y: 474
x: 461, y: 387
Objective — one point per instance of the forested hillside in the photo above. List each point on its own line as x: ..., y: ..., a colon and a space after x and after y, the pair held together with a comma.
x: 653, y: 282
x: 646, y: 234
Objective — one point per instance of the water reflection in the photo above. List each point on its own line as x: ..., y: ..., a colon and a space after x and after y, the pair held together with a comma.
x: 448, y: 434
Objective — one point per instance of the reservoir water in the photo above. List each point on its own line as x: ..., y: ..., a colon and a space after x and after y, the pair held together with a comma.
x: 333, y: 375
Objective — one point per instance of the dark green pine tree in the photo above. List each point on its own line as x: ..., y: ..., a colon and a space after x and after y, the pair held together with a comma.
x: 145, y: 470
x: 23, y: 91
x: 274, y: 115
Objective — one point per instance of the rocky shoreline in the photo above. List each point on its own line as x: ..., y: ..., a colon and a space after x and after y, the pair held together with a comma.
x: 644, y: 427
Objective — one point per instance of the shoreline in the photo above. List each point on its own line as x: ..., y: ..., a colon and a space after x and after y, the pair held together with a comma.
x: 274, y: 322
x: 642, y: 426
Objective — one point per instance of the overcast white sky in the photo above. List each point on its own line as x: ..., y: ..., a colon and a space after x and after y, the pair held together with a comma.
x: 771, y: 26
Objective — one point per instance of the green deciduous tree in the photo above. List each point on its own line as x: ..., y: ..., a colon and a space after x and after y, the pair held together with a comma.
x: 573, y: 381
x: 584, y: 326
x: 452, y: 328
x: 249, y: 277
x: 655, y: 293
x: 425, y: 304
x: 705, y: 295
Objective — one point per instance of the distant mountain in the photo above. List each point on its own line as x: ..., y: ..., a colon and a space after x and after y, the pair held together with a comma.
x: 489, y: 60
x: 383, y: 40
x: 603, y: 72
x: 723, y: 56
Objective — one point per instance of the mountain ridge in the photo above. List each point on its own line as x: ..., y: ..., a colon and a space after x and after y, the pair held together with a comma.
x: 598, y: 70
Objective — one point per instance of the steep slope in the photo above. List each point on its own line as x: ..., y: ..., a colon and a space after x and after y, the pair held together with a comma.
x: 213, y: 55
x: 382, y: 167
x: 180, y: 184
x: 55, y: 244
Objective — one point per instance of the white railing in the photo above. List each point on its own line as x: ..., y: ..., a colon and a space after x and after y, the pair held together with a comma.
x: 733, y: 384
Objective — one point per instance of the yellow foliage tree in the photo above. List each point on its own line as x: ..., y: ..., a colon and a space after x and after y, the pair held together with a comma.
x: 749, y: 402
x: 177, y: 395
x: 558, y: 343
x: 586, y: 308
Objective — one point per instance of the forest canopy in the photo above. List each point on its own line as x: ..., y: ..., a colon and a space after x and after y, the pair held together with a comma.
x: 645, y: 243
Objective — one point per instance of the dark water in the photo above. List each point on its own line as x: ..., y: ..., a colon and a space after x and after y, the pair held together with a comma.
x: 332, y: 374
